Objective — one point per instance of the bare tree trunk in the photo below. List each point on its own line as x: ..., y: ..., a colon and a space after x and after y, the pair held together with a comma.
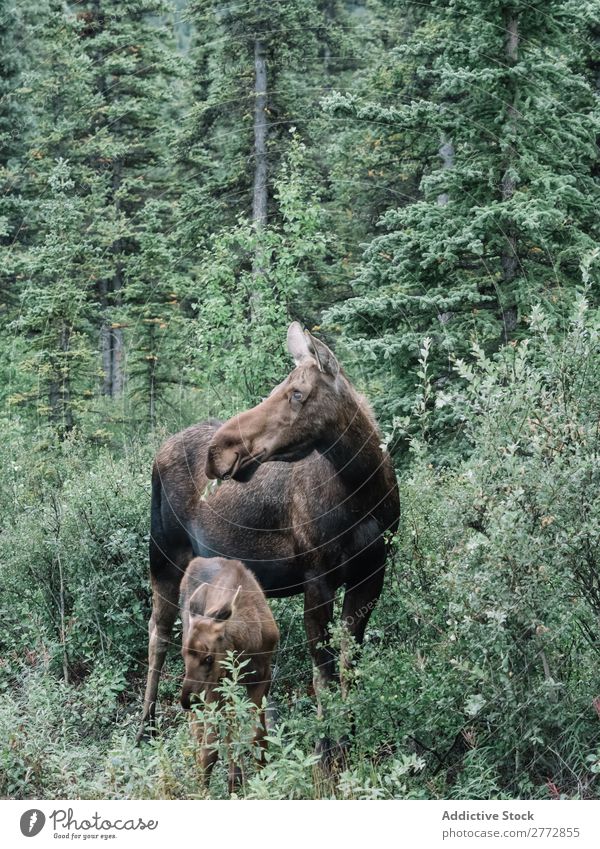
x: 117, y: 285
x: 509, y: 259
x: 105, y: 341
x: 63, y: 630
x: 329, y: 15
x: 261, y: 129
x: 152, y: 359
x: 111, y: 349
x: 260, y: 190
x: 59, y: 389
x: 67, y: 409
x: 446, y: 151
x: 111, y: 338
x: 117, y: 338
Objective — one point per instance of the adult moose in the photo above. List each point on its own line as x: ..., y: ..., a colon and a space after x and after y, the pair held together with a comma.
x: 311, y: 523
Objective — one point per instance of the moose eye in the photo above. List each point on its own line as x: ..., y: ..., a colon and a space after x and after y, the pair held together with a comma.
x: 208, y: 660
x: 297, y: 395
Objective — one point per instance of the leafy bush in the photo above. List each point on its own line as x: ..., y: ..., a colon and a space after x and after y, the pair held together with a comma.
x: 75, y: 544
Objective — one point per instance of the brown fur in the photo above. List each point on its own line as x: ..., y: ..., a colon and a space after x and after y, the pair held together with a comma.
x: 224, y: 609
x: 306, y: 499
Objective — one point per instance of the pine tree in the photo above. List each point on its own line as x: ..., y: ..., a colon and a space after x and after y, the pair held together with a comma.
x: 66, y: 229
x: 13, y: 123
x: 132, y: 48
x: 505, y: 220
x: 258, y: 72
x: 13, y: 120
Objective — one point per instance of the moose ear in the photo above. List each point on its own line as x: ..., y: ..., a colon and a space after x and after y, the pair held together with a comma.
x: 297, y: 343
x: 195, y: 603
x: 221, y: 614
x: 226, y: 610
x: 323, y: 355
x: 235, y: 599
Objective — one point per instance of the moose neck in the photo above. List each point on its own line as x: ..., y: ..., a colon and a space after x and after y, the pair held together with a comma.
x: 354, y: 446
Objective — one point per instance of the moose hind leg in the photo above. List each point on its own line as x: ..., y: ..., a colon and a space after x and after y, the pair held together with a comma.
x: 360, y: 599
x: 318, y: 613
x: 165, y: 598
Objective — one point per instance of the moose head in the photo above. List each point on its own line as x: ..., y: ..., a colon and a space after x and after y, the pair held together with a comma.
x: 300, y: 414
x: 206, y: 644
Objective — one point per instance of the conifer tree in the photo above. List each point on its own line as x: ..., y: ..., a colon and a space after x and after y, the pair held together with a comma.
x: 510, y: 223
x: 12, y: 145
x: 66, y: 228
x: 260, y: 70
x: 135, y: 66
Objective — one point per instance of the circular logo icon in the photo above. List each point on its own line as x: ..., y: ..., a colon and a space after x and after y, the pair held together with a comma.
x: 32, y: 822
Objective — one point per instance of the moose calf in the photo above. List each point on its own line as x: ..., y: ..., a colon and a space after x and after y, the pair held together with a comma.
x: 224, y: 609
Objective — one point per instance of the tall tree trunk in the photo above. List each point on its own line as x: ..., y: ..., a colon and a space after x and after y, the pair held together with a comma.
x: 111, y: 334
x: 329, y: 15
x: 151, y: 359
x: 260, y: 189
x: 509, y: 259
x: 261, y: 129
x: 105, y: 340
x: 117, y: 285
x: 59, y: 388
x: 446, y: 151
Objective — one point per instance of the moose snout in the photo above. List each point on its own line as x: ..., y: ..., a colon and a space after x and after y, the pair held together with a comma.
x: 186, y: 697
x: 212, y: 468
x: 221, y: 462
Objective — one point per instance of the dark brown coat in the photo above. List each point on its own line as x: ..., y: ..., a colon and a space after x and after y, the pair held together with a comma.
x: 306, y: 502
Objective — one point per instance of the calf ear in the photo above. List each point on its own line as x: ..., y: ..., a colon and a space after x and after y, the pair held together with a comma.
x: 221, y: 614
x: 323, y: 355
x: 196, y: 601
x: 226, y: 610
x: 235, y: 599
x: 297, y: 343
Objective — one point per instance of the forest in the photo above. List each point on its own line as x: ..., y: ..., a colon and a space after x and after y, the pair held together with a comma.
x: 418, y: 184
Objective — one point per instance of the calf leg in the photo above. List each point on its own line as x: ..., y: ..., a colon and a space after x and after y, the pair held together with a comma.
x: 165, y: 598
x: 235, y: 778
x: 206, y: 753
x: 256, y: 693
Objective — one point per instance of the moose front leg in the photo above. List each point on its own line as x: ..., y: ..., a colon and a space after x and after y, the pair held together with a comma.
x: 165, y: 597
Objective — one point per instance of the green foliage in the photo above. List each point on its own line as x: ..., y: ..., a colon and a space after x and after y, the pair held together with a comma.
x: 75, y: 544
x: 431, y: 193
x: 242, y: 313
x: 478, y: 676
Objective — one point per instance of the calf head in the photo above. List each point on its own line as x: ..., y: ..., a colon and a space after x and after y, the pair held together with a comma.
x: 300, y: 412
x: 205, y: 646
